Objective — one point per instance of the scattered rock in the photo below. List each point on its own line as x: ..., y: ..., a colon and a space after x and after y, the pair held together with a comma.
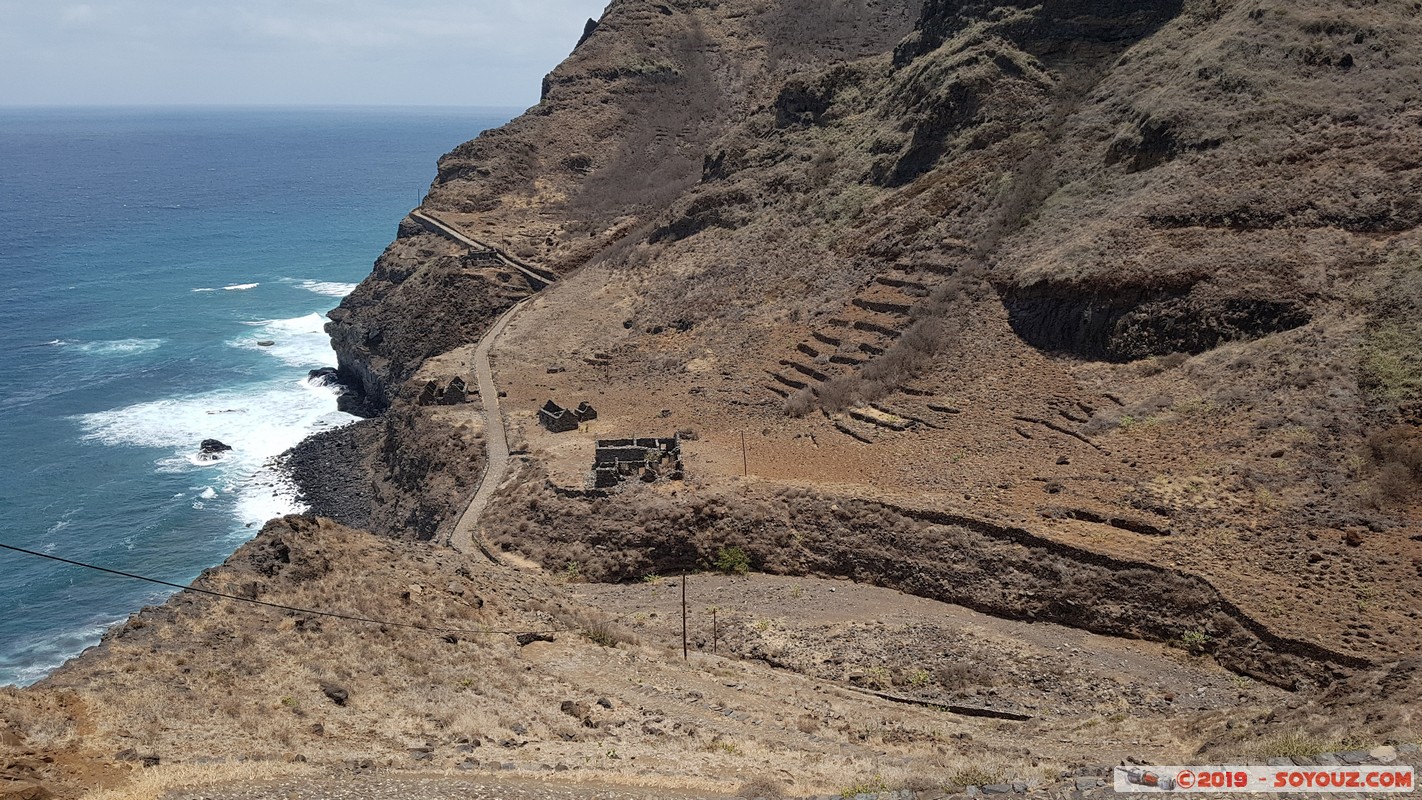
x: 526, y: 639
x: 324, y: 376
x: 1384, y: 755
x: 211, y: 447
x: 24, y: 790
x: 266, y: 343
x: 130, y: 754
x: 605, y: 703
x: 337, y: 694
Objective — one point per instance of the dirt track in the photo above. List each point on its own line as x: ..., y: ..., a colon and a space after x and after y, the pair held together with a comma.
x: 422, y: 787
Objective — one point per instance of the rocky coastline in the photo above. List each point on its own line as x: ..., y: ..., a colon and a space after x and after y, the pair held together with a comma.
x: 332, y: 474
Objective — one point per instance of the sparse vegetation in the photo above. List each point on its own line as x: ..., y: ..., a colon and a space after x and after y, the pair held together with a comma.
x: 732, y: 560
x: 1302, y: 744
x: 872, y: 786
x: 1196, y: 642
x: 972, y: 776
x: 761, y: 787
x: 1397, y: 459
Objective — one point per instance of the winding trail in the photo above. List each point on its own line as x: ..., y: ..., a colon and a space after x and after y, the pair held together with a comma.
x: 538, y: 276
x: 464, y: 537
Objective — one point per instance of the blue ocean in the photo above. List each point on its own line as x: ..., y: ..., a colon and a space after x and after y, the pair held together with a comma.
x: 164, y: 276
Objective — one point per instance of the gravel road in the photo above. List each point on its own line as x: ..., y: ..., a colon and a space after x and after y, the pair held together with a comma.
x: 432, y: 787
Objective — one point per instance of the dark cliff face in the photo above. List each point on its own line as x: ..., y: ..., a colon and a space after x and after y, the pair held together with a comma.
x: 1053, y: 28
x: 426, y: 296
x: 1128, y: 179
x: 618, y: 134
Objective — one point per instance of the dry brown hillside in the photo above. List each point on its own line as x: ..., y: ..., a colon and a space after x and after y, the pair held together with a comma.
x: 1089, y: 327
x: 1128, y: 284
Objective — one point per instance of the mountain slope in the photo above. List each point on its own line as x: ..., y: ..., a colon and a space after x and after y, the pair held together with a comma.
x: 1137, y: 278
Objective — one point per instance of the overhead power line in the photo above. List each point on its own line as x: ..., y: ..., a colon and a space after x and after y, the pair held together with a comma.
x: 350, y: 617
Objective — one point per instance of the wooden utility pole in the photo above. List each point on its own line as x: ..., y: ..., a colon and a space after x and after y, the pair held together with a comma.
x: 713, y: 630
x: 685, y: 651
x: 745, y: 462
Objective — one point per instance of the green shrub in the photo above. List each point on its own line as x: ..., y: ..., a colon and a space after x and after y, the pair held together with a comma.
x: 732, y: 561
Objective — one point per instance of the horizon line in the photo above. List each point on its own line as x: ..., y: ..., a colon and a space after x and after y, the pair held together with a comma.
x: 218, y: 106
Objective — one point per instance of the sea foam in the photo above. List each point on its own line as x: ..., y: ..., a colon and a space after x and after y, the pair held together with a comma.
x: 328, y: 288
x: 300, y: 342
x: 120, y: 347
x: 37, y: 654
x: 259, y: 421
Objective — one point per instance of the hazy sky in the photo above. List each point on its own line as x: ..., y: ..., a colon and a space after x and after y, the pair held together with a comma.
x: 220, y: 52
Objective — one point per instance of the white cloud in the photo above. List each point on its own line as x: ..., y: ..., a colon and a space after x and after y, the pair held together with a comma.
x: 491, y: 52
x: 78, y: 15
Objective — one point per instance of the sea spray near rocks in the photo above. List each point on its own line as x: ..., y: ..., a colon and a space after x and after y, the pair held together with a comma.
x: 128, y: 334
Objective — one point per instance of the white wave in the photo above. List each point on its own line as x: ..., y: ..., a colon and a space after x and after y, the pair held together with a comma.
x: 205, y: 289
x: 121, y: 347
x: 38, y: 655
x: 328, y: 288
x: 300, y: 342
x: 208, y: 493
x: 64, y: 521
x: 278, y: 415
x: 240, y: 287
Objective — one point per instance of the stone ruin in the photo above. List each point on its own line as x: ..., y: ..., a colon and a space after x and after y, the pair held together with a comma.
x: 451, y: 394
x: 560, y: 420
x: 645, y: 458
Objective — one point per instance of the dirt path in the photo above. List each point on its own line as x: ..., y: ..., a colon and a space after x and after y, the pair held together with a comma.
x: 496, y: 440
x: 421, y: 787
x: 540, y: 277
x: 879, y: 638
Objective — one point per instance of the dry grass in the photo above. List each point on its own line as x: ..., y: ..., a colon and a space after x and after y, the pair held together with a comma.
x: 1302, y: 744
x: 154, y: 782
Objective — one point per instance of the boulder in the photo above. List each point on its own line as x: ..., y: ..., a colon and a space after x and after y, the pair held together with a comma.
x: 24, y: 790
x: 336, y: 694
x: 325, y: 376
x: 211, y: 447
